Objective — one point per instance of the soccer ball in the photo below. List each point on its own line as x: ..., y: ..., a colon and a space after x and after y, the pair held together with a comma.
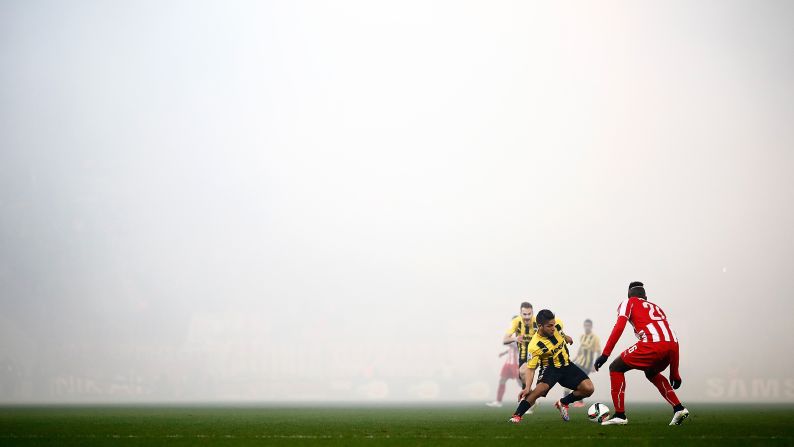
x: 598, y: 412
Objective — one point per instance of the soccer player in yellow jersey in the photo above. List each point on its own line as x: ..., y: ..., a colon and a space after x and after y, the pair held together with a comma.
x: 521, y: 330
x: 589, y: 350
x: 548, y: 350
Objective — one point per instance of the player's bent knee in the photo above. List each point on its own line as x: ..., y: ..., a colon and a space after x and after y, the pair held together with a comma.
x: 586, y: 388
x: 618, y: 365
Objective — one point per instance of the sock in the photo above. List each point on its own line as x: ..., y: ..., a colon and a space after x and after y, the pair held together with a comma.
x: 678, y: 407
x: 523, y: 406
x: 665, y: 389
x: 618, y: 382
x: 500, y: 393
x: 569, y: 399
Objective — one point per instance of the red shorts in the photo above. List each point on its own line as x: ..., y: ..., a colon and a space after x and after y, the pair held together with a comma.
x: 652, y: 357
x: 510, y: 371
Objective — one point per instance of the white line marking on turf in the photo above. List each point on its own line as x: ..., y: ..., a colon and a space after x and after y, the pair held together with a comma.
x: 388, y: 436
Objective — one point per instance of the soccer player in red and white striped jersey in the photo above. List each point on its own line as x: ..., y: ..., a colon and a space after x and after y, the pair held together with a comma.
x: 509, y: 371
x: 656, y: 349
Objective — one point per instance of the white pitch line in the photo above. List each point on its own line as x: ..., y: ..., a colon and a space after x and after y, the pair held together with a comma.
x: 387, y: 436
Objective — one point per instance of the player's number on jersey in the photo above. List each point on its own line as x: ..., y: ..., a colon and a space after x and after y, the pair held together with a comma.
x: 653, y: 310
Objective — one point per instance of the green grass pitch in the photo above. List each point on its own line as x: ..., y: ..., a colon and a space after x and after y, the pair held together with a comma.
x: 450, y: 425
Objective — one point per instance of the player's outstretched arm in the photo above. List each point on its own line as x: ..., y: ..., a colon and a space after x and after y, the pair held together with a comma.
x: 530, y: 378
x: 617, y: 331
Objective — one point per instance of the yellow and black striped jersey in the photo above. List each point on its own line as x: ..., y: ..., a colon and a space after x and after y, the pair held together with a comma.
x: 518, y: 327
x: 547, y: 351
x: 589, y: 350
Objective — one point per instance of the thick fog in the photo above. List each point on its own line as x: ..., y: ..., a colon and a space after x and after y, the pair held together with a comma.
x: 348, y: 200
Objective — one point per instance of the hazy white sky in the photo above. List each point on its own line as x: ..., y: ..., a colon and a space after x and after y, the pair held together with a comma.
x: 348, y: 200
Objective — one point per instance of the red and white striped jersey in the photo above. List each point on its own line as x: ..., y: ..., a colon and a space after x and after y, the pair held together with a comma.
x: 512, y: 355
x: 649, y: 321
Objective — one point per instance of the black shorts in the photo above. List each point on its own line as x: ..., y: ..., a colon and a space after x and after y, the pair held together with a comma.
x: 569, y: 376
x: 586, y: 368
